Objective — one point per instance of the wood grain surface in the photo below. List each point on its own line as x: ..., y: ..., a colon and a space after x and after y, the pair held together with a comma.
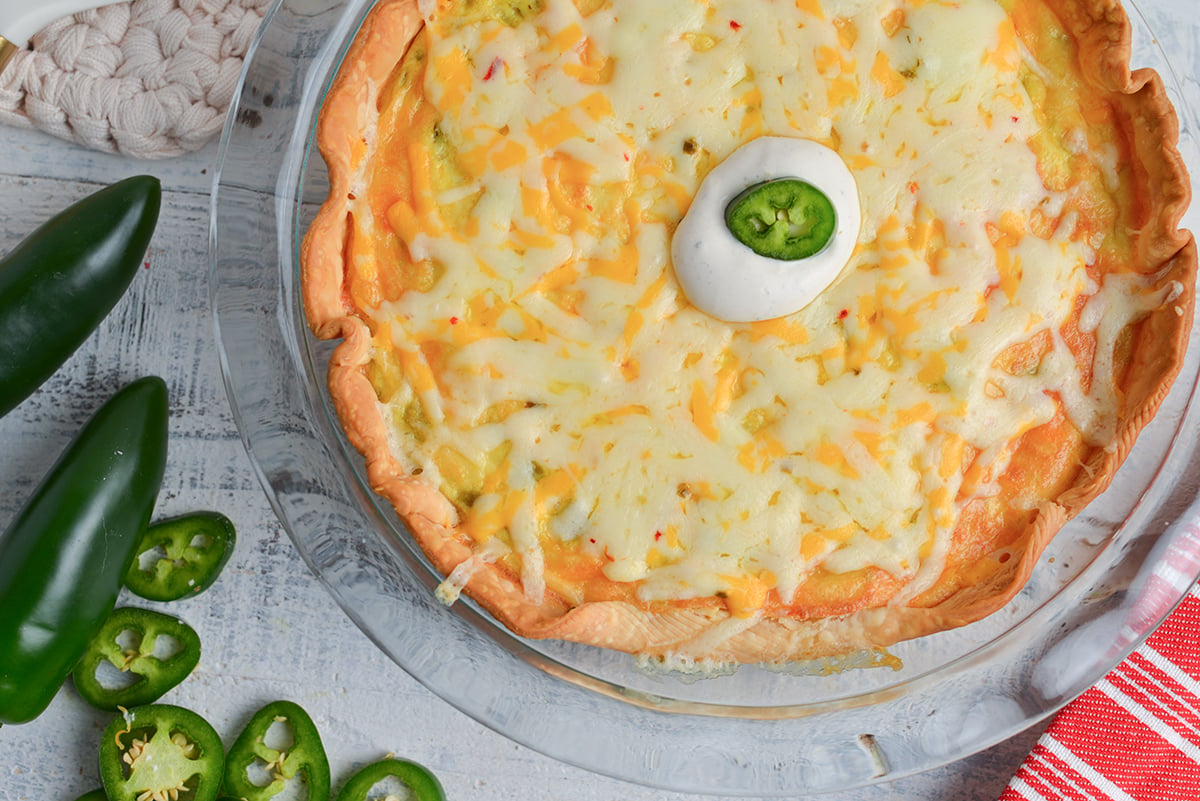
x: 268, y: 627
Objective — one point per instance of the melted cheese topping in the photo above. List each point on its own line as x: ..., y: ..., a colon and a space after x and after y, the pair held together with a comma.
x: 552, y: 380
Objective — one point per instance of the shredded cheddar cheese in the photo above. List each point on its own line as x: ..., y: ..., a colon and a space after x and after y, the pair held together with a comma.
x: 548, y: 376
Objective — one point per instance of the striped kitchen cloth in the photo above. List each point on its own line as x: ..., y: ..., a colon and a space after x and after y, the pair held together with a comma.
x: 1134, y: 735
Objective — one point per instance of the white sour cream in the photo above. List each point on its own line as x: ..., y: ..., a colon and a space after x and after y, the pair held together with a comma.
x: 726, y: 279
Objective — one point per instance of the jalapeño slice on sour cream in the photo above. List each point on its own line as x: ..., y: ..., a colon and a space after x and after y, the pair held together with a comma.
x: 785, y: 219
x: 770, y: 228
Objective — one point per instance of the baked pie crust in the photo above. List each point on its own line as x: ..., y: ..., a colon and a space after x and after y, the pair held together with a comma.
x: 591, y: 459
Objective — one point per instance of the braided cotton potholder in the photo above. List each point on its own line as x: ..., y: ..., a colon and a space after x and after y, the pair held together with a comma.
x: 147, y: 78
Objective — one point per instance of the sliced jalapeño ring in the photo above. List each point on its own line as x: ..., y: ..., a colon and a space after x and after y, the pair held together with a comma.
x: 786, y: 219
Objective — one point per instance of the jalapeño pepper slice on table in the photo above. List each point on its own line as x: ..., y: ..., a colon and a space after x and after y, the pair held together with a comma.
x: 65, y: 277
x: 181, y: 556
x: 299, y: 752
x: 94, y: 795
x: 160, y: 752
x: 422, y: 784
x: 131, y: 642
x: 64, y: 557
x: 786, y: 219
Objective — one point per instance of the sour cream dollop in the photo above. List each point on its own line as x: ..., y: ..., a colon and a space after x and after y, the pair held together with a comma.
x: 723, y: 277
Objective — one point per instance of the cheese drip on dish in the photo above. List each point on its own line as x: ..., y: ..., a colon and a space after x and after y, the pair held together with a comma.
x: 544, y: 370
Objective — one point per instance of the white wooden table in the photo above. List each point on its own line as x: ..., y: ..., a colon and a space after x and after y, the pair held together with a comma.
x: 268, y: 627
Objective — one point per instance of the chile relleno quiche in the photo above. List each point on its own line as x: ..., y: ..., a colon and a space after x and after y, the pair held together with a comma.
x: 592, y: 457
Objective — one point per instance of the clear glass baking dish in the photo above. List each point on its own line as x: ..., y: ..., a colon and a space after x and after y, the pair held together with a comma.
x: 1097, y: 592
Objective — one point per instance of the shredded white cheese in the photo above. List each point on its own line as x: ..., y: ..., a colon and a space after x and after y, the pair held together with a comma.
x: 696, y: 455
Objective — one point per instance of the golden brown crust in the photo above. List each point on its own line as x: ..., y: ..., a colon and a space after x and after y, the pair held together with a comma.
x: 1105, y: 43
x: 706, y: 629
x: 346, y: 116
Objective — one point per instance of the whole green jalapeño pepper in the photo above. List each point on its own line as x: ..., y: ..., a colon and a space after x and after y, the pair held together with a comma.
x: 304, y: 754
x: 786, y: 219
x: 181, y: 556
x: 422, y: 784
x: 160, y: 752
x: 130, y: 641
x: 65, y: 277
x: 64, y: 557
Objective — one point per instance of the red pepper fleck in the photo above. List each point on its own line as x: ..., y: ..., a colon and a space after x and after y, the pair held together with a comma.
x: 496, y: 64
x: 146, y: 264
x: 627, y: 157
x: 913, y: 187
x: 453, y: 321
x: 1015, y: 118
x: 592, y: 540
x: 843, y: 314
x: 589, y: 207
x: 733, y: 23
x: 658, y: 535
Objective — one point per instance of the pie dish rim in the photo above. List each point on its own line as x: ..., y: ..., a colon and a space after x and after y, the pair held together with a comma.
x: 238, y: 277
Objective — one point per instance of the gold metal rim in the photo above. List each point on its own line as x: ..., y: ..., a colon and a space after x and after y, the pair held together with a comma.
x: 7, y: 49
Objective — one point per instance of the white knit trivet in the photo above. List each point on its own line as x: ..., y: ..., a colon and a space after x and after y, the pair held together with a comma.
x: 147, y: 78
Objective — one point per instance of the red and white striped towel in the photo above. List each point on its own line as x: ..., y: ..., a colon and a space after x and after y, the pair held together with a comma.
x: 1135, y: 735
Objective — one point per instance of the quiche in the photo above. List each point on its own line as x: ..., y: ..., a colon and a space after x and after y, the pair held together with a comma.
x: 591, y: 457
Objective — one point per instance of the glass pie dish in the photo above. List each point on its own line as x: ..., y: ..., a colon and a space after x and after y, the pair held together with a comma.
x: 1105, y: 581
